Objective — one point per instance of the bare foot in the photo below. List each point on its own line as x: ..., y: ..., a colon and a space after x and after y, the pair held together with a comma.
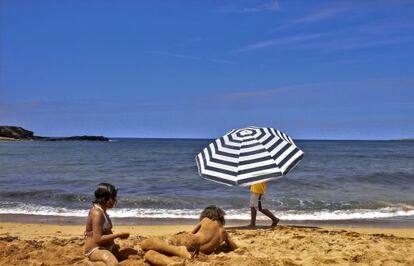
x: 275, y: 222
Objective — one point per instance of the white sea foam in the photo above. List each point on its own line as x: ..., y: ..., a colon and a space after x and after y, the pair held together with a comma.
x: 239, y: 214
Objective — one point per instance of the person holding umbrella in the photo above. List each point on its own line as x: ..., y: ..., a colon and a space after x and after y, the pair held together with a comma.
x: 257, y: 192
x: 249, y: 157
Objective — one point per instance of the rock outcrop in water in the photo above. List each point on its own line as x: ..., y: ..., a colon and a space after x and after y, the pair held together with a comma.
x: 18, y: 133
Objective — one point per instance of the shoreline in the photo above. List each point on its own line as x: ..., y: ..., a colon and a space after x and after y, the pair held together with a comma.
x: 398, y: 222
x: 28, y: 230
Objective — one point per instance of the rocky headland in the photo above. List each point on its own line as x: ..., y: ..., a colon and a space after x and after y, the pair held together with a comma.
x: 11, y: 133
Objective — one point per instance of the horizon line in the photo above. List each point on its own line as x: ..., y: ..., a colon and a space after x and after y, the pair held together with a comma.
x: 299, y: 139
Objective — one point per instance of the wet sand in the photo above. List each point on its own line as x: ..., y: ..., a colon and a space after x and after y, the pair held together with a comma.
x: 52, y: 244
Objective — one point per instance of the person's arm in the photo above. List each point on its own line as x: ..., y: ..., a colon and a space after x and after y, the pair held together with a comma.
x: 100, y: 239
x: 195, y: 230
x: 230, y: 243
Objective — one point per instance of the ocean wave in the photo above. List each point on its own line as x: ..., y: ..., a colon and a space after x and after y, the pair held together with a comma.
x: 40, y: 197
x: 236, y: 214
x: 387, y: 178
x: 167, y: 201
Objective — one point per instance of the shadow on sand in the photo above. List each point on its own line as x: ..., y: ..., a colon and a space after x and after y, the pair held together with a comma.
x: 246, y: 227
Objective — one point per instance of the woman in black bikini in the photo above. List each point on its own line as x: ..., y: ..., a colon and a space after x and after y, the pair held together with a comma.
x: 99, y: 244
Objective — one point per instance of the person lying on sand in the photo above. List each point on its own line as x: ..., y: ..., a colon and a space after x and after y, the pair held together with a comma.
x: 206, y: 237
x: 99, y: 243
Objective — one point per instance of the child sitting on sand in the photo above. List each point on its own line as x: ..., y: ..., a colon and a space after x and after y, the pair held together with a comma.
x: 206, y: 237
x: 257, y: 192
x: 99, y: 243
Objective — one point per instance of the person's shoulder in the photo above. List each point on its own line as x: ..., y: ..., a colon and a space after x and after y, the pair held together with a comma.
x: 95, y: 213
x: 205, y: 220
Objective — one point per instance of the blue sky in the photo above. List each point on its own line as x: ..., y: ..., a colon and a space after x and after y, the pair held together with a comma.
x: 313, y: 69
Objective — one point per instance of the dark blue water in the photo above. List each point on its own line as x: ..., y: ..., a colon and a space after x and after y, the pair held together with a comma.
x: 158, y: 178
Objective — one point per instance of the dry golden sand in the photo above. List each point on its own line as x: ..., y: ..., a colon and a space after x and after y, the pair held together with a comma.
x: 40, y: 244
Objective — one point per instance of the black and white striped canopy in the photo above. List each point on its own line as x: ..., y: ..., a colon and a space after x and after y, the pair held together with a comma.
x: 248, y: 156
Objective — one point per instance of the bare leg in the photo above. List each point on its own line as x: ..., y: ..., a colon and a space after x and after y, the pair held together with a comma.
x: 165, y: 248
x: 253, y: 214
x: 105, y: 256
x: 158, y: 259
x: 266, y: 212
x: 190, y: 241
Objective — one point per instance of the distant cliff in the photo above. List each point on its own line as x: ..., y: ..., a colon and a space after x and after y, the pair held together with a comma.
x: 19, y: 133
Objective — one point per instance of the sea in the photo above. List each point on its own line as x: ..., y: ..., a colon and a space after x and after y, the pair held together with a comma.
x: 336, y: 181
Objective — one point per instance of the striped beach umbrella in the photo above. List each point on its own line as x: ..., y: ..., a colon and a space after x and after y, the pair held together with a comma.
x: 248, y: 156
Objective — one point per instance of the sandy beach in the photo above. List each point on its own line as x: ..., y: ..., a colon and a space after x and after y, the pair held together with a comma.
x: 49, y: 244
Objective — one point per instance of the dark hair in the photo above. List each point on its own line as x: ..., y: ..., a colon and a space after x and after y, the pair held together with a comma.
x: 104, y: 191
x: 214, y: 213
